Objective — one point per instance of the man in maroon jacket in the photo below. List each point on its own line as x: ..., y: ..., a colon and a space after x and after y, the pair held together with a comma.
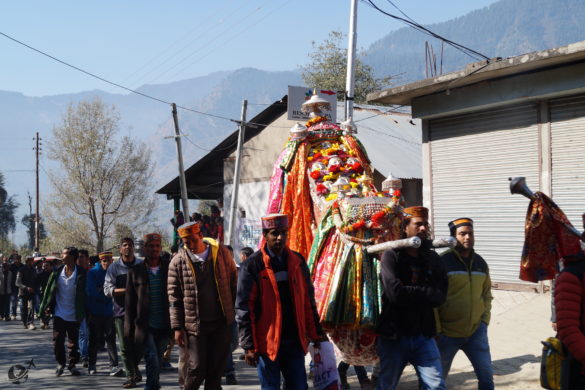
x: 570, y: 301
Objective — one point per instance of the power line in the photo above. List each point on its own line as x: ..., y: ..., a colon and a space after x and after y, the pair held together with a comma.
x: 464, y: 49
x: 177, y: 52
x: 237, y: 34
x: 113, y: 83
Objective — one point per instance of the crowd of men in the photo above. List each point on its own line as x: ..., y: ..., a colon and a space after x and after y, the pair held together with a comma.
x: 433, y: 306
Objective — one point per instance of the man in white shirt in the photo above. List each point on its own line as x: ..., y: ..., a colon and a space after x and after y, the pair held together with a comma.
x: 65, y: 297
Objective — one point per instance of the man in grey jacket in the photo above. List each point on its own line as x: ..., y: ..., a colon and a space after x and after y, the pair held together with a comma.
x: 115, y: 287
x: 26, y: 281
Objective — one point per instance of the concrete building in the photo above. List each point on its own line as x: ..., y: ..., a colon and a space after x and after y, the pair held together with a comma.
x: 391, y: 139
x: 519, y: 116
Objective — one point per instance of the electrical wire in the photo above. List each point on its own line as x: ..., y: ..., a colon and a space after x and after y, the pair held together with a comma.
x: 464, y: 49
x: 236, y: 35
x: 196, y: 38
x: 113, y: 83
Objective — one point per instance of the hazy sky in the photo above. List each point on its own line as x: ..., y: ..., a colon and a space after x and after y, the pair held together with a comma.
x: 145, y: 42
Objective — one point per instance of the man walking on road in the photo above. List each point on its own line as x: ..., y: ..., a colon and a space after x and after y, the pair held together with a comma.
x: 115, y: 288
x: 201, y: 286
x: 413, y: 284
x: 465, y: 315
x: 65, y: 297
x: 276, y: 311
x: 14, y: 268
x: 146, y: 319
x: 101, y: 316
x: 26, y: 281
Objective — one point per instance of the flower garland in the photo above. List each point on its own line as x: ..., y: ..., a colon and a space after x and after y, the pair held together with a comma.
x: 376, y: 220
x: 316, y: 120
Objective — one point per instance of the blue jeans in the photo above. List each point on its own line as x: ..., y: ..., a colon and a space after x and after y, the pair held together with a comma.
x: 477, y: 350
x: 83, y: 339
x: 420, y: 351
x: 290, y: 361
x: 14, y: 302
x: 155, y: 345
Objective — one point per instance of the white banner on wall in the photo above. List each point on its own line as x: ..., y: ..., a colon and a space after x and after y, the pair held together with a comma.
x: 298, y: 95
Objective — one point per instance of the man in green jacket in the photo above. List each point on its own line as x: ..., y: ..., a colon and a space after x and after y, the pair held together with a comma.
x: 65, y: 297
x: 465, y: 315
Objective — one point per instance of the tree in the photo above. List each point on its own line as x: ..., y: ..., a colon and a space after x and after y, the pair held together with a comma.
x: 8, y: 206
x: 328, y: 68
x: 104, y: 178
x: 28, y: 220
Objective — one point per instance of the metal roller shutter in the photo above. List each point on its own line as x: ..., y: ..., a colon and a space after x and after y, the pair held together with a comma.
x: 472, y: 157
x: 568, y: 161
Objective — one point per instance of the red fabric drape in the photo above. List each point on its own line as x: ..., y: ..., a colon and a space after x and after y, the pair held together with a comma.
x: 546, y: 240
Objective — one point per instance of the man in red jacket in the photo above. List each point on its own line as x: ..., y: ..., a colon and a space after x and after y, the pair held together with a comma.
x: 275, y: 309
x: 569, y: 302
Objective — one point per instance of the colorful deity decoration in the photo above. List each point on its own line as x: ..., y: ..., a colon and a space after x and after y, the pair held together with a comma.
x: 323, y: 180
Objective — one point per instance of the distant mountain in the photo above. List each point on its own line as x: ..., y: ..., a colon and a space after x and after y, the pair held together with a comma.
x: 219, y: 93
x: 503, y: 29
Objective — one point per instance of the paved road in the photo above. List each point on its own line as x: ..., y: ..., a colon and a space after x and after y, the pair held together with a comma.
x: 519, y: 322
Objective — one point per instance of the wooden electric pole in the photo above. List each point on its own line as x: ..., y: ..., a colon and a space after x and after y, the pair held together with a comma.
x: 182, y: 180
x: 37, y: 216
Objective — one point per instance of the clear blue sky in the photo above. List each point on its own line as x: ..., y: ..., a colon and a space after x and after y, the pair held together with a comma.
x: 140, y: 42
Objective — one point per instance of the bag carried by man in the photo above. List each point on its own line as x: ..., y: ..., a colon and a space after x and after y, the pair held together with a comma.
x: 553, y: 356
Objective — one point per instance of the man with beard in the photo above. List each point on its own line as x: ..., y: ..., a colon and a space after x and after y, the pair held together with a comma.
x: 115, y: 288
x: 414, y: 282
x: 465, y: 315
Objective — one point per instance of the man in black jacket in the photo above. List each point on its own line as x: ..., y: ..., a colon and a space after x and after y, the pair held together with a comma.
x: 414, y: 282
x: 146, y: 319
x: 26, y: 281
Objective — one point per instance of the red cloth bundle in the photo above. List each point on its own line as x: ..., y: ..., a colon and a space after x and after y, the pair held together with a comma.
x: 546, y: 241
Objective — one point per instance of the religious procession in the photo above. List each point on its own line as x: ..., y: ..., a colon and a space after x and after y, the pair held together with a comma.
x: 348, y: 234
x: 344, y: 275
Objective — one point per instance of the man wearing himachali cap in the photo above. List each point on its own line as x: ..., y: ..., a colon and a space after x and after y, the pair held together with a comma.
x: 413, y: 284
x: 465, y: 315
x: 201, y: 287
x: 276, y: 311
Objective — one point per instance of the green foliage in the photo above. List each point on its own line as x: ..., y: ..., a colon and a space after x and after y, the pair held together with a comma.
x: 8, y: 206
x: 28, y: 220
x: 328, y: 67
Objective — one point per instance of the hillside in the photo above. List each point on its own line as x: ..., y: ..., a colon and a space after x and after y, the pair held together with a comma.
x: 503, y: 29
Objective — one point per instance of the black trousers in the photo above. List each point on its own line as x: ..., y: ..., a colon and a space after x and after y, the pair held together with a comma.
x: 101, y: 329
x: 69, y: 329
x: 207, y: 354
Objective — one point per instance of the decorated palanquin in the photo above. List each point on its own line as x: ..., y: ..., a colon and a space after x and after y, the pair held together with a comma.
x: 323, y: 181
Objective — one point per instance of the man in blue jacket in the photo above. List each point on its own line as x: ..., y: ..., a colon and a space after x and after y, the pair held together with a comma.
x: 101, y: 316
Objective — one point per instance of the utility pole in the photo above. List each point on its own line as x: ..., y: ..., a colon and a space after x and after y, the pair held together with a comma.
x: 182, y: 181
x: 37, y: 149
x: 349, y: 81
x: 236, y: 185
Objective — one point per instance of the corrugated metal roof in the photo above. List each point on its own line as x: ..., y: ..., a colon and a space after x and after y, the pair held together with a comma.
x: 391, y: 139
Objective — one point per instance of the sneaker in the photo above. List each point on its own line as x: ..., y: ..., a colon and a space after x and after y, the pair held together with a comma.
x: 92, y: 370
x: 44, y: 326
x: 7, y: 318
x: 74, y: 371
x: 231, y: 380
x: 32, y: 327
x: 13, y: 317
x: 116, y: 371
x: 137, y: 377
x: 166, y: 365
x: 59, y: 370
x: 85, y: 362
